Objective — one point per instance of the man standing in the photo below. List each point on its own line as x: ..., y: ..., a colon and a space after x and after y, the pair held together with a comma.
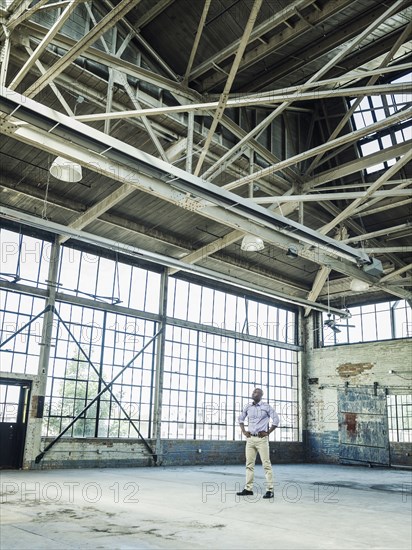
x: 257, y: 434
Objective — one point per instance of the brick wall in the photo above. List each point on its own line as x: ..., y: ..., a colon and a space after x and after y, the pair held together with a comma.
x: 356, y: 365
x: 109, y: 453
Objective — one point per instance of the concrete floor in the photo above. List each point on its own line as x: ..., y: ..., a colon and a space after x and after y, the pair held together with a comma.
x: 315, y: 507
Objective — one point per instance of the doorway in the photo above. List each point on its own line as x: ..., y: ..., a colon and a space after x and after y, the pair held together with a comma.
x: 14, y: 406
x: 363, y: 426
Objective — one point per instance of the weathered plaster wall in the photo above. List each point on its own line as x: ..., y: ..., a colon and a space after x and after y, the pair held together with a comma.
x: 357, y: 365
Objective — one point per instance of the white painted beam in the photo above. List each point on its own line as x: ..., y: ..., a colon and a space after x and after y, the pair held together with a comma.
x: 94, y: 34
x: 348, y: 211
x: 197, y: 40
x: 279, y: 17
x: 54, y: 29
x: 199, y: 108
x: 319, y: 197
x: 348, y: 138
x: 223, y: 98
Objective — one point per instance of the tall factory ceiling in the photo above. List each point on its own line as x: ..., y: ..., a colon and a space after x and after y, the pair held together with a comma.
x: 199, y: 122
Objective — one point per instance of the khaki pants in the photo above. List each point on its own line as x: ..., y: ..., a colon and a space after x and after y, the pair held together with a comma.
x: 259, y: 445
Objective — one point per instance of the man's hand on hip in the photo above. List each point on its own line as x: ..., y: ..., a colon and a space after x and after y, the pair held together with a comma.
x: 246, y: 433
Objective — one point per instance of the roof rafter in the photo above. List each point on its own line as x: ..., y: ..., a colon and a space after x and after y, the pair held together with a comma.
x: 94, y: 34
x: 224, y: 97
x: 261, y: 29
x: 404, y: 36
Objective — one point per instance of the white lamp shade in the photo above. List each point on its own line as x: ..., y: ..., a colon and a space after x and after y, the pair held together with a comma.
x: 66, y: 170
x: 358, y: 286
x: 251, y: 243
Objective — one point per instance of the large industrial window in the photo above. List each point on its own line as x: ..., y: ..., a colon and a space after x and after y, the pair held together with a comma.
x: 89, y: 344
x: 201, y: 304
x: 400, y: 418
x: 369, y: 323
x: 21, y: 353
x: 375, y: 108
x: 208, y: 378
x: 218, y: 346
x: 24, y: 259
x: 106, y: 280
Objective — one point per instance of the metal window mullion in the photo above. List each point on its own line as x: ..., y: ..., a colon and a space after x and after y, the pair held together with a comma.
x: 4, y: 310
x: 99, y: 382
x: 78, y: 273
x: 397, y: 418
x: 187, y: 302
x: 152, y: 382
x: 28, y: 335
x: 402, y: 416
x: 234, y: 388
x: 393, y: 320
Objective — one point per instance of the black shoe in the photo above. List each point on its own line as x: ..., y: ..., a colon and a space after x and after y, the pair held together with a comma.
x: 245, y: 493
x: 268, y: 494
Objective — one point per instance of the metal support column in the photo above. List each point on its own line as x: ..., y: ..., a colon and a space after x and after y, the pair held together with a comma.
x: 47, y: 332
x: 158, y: 389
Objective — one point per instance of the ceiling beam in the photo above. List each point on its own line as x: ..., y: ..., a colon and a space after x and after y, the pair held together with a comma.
x: 84, y: 140
x: 348, y: 138
x: 95, y: 97
x: 112, y: 218
x: 323, y: 274
x: 396, y: 273
x: 135, y: 32
x: 147, y: 123
x: 38, y: 31
x: 349, y: 210
x: 298, y: 65
x: 366, y: 205
x: 337, y: 82
x: 278, y: 18
x: 119, y: 221
x: 342, y: 170
x: 98, y: 209
x: 324, y: 69
x: 108, y: 21
x: 21, y: 15
x: 139, y: 253
x: 387, y: 249
x: 120, y: 161
x: 228, y: 85
x: 282, y: 38
x: 360, y: 184
x: 54, y: 29
x: 159, y: 81
x: 153, y: 12
x: 197, y: 40
x: 387, y: 206
x: 319, y: 197
x: 379, y: 233
x: 18, y: 5
x: 52, y: 85
x: 211, y: 248
x: 391, y: 88
x: 5, y: 57
x: 371, y: 82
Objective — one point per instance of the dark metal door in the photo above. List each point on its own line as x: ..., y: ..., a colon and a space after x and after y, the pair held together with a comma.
x: 363, y: 426
x: 14, y: 399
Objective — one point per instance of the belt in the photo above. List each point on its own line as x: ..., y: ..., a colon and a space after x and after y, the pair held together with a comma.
x: 255, y: 435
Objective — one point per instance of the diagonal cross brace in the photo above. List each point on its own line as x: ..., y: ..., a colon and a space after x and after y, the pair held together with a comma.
x: 107, y: 386
x: 87, y: 407
x: 24, y: 326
